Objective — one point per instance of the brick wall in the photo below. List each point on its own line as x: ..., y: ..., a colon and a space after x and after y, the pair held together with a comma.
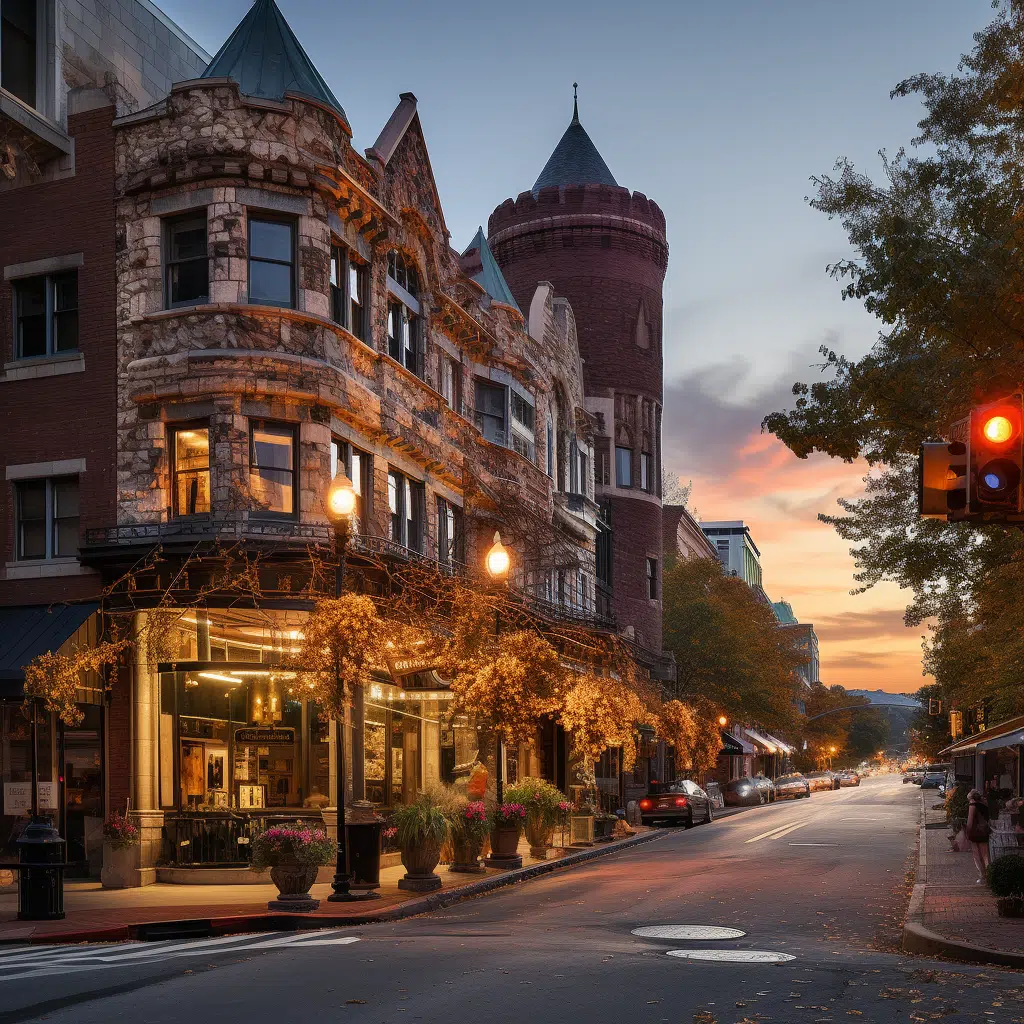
x: 636, y: 536
x: 70, y: 416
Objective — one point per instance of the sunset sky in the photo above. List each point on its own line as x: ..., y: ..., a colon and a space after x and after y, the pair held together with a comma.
x: 721, y: 113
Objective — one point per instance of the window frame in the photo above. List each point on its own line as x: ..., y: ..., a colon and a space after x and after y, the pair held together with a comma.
x: 629, y: 463
x: 50, y: 519
x: 50, y: 314
x: 255, y: 422
x: 168, y: 226
x: 261, y: 217
x: 646, y: 472
x: 652, y: 578
x: 346, y: 454
x: 408, y: 517
x: 180, y: 428
x: 451, y: 534
x: 343, y: 264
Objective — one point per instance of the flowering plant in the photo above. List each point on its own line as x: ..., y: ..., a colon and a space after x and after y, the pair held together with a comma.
x: 289, y: 845
x: 510, y: 815
x: 541, y: 799
x: 120, y: 831
x: 474, y: 822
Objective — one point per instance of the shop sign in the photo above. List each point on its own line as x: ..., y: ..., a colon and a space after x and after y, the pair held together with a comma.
x: 264, y: 735
x: 401, y: 667
x: 18, y: 797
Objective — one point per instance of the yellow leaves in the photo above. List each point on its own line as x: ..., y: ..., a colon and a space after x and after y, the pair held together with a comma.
x: 54, y: 679
x: 601, y: 712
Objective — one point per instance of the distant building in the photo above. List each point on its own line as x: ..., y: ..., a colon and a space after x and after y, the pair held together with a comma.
x: 807, y: 641
x: 682, y: 535
x: 736, y: 550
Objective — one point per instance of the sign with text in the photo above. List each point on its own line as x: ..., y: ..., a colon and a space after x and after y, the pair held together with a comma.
x: 264, y: 735
x: 18, y: 797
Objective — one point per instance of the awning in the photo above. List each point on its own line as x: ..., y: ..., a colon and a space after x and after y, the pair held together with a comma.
x: 735, y: 746
x: 1011, y: 739
x: 779, y: 745
x: 969, y: 744
x: 761, y: 741
x: 30, y: 630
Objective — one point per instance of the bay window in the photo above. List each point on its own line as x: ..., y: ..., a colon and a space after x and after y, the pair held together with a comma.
x: 190, y: 471
x: 271, y: 261
x: 272, y: 466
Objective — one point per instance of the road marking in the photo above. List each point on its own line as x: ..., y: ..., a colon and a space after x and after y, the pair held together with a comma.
x: 737, y: 956
x: 687, y: 931
x: 813, y: 844
x: 778, y: 833
x: 770, y: 832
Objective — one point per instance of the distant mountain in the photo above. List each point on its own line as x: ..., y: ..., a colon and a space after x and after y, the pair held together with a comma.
x: 881, y: 697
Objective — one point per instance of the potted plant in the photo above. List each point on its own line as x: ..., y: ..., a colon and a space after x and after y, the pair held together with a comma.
x: 507, y: 824
x: 121, y: 839
x: 543, y: 803
x: 604, y: 825
x: 1006, y: 880
x: 293, y: 853
x: 422, y: 828
x: 469, y: 826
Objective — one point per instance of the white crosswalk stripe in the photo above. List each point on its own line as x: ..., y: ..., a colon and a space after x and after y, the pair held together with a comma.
x: 20, y: 962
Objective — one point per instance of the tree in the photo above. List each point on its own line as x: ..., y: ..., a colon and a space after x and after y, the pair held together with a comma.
x: 930, y: 733
x: 730, y: 653
x: 938, y: 260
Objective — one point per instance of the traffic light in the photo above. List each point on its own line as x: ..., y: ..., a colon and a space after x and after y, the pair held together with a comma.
x: 996, y: 450
x: 942, y: 480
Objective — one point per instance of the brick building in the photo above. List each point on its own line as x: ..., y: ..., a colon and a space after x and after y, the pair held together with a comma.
x: 67, y: 71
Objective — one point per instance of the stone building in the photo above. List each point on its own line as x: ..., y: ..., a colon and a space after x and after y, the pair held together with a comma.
x: 67, y: 70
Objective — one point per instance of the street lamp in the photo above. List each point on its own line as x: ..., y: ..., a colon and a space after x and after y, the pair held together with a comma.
x: 723, y: 721
x: 341, y: 504
x: 498, y: 563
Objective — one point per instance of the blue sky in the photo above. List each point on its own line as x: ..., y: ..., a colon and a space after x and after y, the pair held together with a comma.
x: 720, y: 112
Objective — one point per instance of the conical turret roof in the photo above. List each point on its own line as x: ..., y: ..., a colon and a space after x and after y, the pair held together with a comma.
x: 489, y: 275
x: 266, y: 59
x: 575, y: 160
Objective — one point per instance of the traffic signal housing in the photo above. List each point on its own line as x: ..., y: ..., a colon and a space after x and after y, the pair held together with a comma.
x: 942, y: 480
x: 996, y: 452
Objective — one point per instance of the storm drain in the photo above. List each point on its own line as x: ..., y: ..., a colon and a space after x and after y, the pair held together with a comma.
x: 707, y: 932
x: 737, y: 956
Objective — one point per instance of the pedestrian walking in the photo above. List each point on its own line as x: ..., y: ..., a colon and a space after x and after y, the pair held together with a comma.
x: 978, y: 831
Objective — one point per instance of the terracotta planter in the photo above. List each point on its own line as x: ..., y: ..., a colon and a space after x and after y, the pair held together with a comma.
x: 293, y: 882
x: 419, y: 862
x: 504, y: 849
x: 466, y: 859
x: 120, y: 867
x: 538, y: 835
x: 1010, y: 906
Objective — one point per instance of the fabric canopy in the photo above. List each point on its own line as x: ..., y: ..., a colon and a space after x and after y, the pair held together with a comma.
x: 779, y: 745
x: 1011, y: 739
x: 762, y: 741
x: 29, y: 630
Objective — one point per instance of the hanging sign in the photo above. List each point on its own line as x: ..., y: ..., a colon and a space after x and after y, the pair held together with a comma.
x: 401, y: 667
x: 264, y: 735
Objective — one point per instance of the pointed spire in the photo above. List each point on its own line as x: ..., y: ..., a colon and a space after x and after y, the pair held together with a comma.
x: 266, y: 59
x: 575, y: 160
x: 479, y: 263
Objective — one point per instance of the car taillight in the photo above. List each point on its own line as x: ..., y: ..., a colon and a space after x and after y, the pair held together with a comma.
x: 645, y: 804
x: 681, y: 801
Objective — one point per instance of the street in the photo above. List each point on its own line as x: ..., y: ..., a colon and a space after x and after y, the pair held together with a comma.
x: 818, y: 884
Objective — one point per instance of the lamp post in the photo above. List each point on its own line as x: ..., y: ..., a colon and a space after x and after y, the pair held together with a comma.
x: 498, y: 562
x: 341, y: 503
x: 831, y: 754
x: 722, y: 721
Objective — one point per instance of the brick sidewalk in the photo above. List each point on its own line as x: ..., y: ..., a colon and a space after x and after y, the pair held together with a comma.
x: 97, y: 913
x: 955, y: 906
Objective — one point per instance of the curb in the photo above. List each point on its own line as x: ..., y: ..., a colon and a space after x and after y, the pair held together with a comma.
x: 923, y: 941
x: 211, y: 927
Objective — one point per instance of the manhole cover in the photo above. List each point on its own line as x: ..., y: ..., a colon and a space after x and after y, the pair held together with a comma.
x: 736, y: 956
x: 708, y: 932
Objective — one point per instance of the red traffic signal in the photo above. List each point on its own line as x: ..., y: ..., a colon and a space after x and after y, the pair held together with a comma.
x: 997, y: 456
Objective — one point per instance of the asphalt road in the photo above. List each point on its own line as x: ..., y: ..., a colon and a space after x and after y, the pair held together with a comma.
x: 822, y: 881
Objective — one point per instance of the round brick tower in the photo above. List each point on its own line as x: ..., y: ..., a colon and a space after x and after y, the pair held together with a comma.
x: 605, y: 250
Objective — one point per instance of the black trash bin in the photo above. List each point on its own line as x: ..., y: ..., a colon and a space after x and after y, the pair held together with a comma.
x: 41, y: 879
x: 363, y: 839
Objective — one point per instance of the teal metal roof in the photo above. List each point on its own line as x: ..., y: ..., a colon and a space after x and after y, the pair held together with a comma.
x: 266, y: 59
x: 784, y: 613
x: 575, y: 160
x: 490, y: 277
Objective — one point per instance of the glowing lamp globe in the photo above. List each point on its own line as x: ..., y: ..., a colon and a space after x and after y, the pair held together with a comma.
x: 341, y: 498
x: 998, y: 429
x: 497, y: 558
x: 723, y: 721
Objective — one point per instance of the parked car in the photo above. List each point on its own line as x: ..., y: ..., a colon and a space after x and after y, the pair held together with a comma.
x: 849, y: 778
x: 766, y: 786
x: 744, y: 792
x: 820, y: 780
x: 794, y: 785
x: 680, y: 803
x: 934, y: 780
x: 914, y: 775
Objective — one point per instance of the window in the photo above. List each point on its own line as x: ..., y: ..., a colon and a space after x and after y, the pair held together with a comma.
x: 359, y: 468
x: 348, y: 291
x: 46, y: 315
x: 551, y: 449
x: 624, y: 467
x: 449, y: 534
x: 574, y: 467
x: 191, y: 471
x: 272, y: 466
x: 652, y: 578
x: 603, y: 475
x: 451, y: 382
x: 271, y: 262
x: 406, y: 504
x: 604, y: 545
x: 47, y: 518
x: 18, y: 49
x: 490, y: 412
x: 522, y: 412
x: 187, y: 261
x: 646, y: 476
x: 402, y: 270
x: 405, y: 328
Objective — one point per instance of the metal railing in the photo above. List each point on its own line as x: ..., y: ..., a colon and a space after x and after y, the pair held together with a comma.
x: 214, y: 529
x: 220, y: 838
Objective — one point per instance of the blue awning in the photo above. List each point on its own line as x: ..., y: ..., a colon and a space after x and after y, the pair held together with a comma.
x: 30, y: 630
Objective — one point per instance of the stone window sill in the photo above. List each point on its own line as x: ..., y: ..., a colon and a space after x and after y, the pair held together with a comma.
x: 44, y: 568
x: 44, y: 366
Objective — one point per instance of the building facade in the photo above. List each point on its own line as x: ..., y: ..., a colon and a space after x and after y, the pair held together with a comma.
x: 736, y: 550
x: 805, y: 639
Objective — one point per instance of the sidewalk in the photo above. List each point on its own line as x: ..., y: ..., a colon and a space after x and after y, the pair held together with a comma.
x: 173, y: 911
x: 950, y: 914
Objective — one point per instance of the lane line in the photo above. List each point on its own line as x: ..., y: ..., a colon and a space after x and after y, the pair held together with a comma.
x: 813, y: 844
x: 766, y: 835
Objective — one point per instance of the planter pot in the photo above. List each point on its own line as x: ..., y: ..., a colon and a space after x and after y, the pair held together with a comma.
x: 1010, y: 906
x: 538, y: 835
x: 419, y: 862
x: 581, y: 830
x: 293, y: 882
x: 466, y: 859
x: 603, y: 828
x: 504, y: 849
x: 120, y: 867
